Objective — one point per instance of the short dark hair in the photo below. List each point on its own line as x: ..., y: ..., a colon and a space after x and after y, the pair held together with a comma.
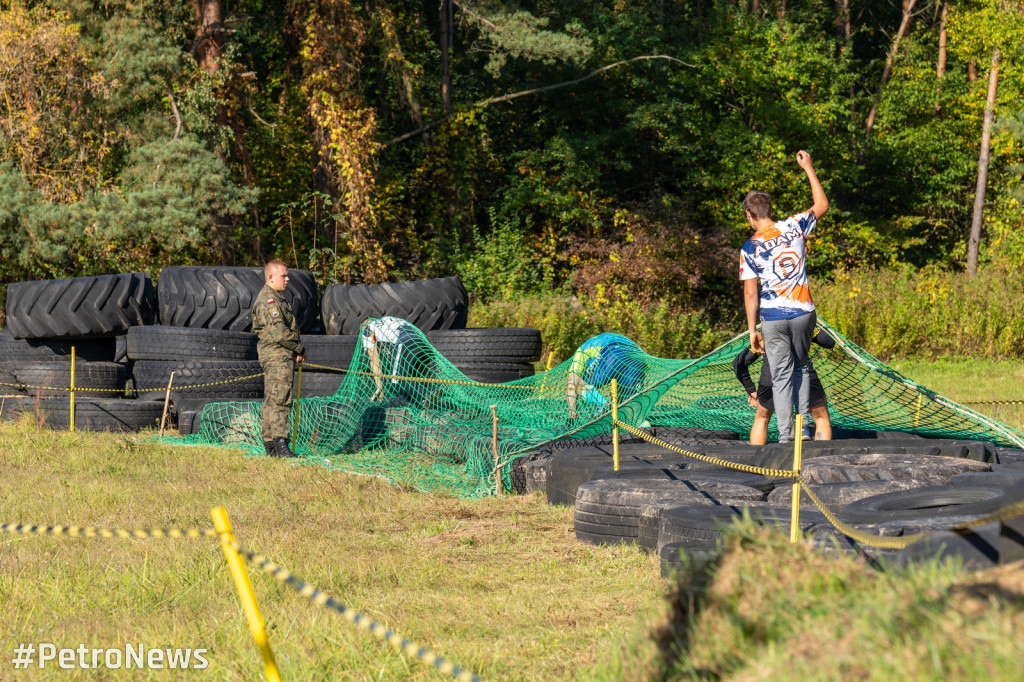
x: 273, y: 264
x: 758, y: 204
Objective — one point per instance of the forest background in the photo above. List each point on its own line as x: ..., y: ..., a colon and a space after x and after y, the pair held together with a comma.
x: 579, y: 164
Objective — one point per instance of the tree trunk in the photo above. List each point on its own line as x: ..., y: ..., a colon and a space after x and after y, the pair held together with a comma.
x: 979, y: 192
x: 908, y: 7
x: 388, y: 23
x: 700, y: 23
x: 940, y: 68
x: 446, y: 74
x: 972, y: 71
x: 843, y: 21
x: 208, y: 48
x: 208, y: 33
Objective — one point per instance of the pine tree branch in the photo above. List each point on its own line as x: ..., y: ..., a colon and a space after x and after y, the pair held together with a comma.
x: 177, y: 114
x: 476, y: 16
x: 533, y: 91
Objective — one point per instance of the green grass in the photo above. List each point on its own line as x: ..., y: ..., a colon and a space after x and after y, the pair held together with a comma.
x: 777, y: 611
x: 969, y: 381
x: 500, y: 586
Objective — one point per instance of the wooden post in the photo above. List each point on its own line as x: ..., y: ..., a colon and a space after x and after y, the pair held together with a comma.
x: 794, y: 523
x: 494, y: 446
x: 167, y: 403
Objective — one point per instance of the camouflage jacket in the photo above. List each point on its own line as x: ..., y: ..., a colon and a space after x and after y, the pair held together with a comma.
x: 273, y: 321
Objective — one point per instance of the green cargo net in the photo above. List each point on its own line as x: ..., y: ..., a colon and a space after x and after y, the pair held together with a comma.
x: 405, y: 413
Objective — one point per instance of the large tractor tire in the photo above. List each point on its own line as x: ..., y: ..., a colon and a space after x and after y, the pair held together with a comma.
x: 81, y: 307
x: 222, y: 297
x: 429, y: 304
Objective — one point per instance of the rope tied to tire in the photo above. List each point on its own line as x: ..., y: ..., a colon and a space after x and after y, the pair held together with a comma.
x: 67, y: 389
x: 771, y: 473
x: 872, y: 540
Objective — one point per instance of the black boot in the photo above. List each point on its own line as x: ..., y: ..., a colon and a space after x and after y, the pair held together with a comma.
x: 268, y: 446
x: 281, y: 448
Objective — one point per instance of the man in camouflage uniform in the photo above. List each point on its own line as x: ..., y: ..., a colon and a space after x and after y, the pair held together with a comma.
x: 279, y: 349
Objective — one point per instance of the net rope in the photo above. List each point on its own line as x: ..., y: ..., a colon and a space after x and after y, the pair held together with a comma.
x: 425, y: 425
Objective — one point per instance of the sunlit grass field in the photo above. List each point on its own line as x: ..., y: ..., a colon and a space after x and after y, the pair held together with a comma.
x: 972, y: 382
x: 500, y: 586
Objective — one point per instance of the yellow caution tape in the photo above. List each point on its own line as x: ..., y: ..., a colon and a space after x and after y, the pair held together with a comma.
x: 409, y: 648
x: 1009, y: 512
x: 179, y: 387
x: 772, y: 473
x: 98, y: 532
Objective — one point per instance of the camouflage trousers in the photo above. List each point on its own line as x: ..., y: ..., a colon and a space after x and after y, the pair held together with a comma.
x: 277, y: 401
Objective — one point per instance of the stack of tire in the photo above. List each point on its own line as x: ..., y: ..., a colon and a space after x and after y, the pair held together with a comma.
x: 46, y: 319
x: 205, y: 337
x: 677, y: 506
x: 440, y: 308
x: 130, y: 337
x: 490, y: 354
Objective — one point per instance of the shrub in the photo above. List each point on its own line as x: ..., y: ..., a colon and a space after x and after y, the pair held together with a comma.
x: 927, y: 313
x: 566, y: 322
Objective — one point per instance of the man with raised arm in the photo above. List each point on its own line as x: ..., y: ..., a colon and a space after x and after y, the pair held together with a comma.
x: 774, y: 255
x: 279, y: 348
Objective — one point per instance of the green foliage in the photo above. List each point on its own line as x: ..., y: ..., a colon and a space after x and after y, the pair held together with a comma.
x: 566, y: 322
x: 501, y: 265
x: 319, y: 135
x: 158, y: 216
x: 928, y: 313
x: 519, y: 34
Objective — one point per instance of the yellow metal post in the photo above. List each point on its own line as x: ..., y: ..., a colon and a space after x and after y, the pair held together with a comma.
x: 72, y: 427
x: 245, y: 593
x: 917, y: 414
x: 298, y: 403
x: 551, y: 356
x: 794, y: 523
x: 615, y: 423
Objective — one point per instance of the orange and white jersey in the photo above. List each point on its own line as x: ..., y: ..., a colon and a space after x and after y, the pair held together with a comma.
x: 775, y: 255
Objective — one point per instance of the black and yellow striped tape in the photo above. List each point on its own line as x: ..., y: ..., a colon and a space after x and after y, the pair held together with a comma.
x: 407, y: 647
x: 99, y: 532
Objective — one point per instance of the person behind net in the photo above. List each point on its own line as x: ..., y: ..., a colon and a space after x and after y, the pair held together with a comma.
x: 394, y: 343
x: 596, y: 363
x: 761, y: 396
x: 279, y: 348
x: 774, y: 255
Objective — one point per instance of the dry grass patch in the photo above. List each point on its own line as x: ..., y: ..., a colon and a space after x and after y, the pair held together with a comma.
x: 776, y: 611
